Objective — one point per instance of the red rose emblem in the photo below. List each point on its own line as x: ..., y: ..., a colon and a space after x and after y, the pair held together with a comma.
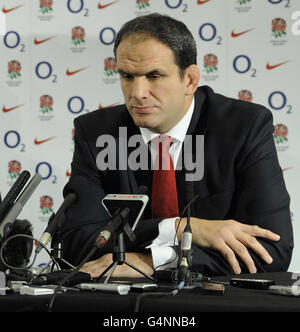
x: 14, y: 169
x: 46, y: 103
x: 46, y: 3
x: 46, y: 6
x: 78, y: 34
x: 280, y: 133
x: 110, y: 66
x: 14, y: 68
x: 210, y: 63
x: 46, y: 204
x: 14, y: 166
x: 278, y: 27
x: 110, y: 63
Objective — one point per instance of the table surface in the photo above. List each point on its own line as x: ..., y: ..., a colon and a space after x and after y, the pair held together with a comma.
x: 235, y: 299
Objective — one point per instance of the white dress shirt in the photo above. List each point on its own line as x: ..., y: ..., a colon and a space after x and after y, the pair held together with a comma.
x: 163, y: 255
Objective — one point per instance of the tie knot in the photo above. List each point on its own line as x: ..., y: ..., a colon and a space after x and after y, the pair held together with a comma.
x: 164, y: 142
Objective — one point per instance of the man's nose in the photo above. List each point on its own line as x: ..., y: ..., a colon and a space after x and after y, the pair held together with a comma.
x: 140, y: 88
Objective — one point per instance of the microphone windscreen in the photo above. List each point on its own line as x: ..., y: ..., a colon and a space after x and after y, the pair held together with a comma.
x: 17, y: 251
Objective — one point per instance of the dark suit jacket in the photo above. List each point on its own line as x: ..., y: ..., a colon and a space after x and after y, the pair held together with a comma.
x: 242, y: 180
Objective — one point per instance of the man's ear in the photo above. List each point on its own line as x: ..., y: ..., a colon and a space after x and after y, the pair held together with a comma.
x: 191, y: 79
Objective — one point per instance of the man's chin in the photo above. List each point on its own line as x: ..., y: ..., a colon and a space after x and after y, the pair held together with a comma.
x: 143, y: 123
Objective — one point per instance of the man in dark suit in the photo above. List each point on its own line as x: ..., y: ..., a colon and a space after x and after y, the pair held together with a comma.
x: 240, y: 220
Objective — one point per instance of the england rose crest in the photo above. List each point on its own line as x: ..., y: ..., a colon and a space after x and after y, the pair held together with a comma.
x: 280, y: 133
x: 142, y: 4
x: 210, y: 63
x: 278, y: 27
x: 46, y: 6
x: 14, y: 169
x: 245, y: 95
x: 46, y: 103
x: 14, y: 68
x: 110, y: 66
x: 78, y: 34
x: 46, y: 204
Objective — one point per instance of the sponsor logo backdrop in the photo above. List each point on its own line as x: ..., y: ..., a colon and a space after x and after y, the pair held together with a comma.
x: 57, y: 62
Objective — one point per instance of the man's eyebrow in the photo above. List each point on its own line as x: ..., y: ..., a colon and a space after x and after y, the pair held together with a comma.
x: 152, y: 72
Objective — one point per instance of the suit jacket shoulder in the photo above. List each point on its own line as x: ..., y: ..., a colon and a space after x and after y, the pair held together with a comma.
x: 229, y: 116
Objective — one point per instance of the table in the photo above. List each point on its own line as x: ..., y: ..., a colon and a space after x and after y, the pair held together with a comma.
x: 234, y: 300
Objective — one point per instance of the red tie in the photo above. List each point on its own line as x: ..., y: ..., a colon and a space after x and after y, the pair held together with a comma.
x: 164, y: 191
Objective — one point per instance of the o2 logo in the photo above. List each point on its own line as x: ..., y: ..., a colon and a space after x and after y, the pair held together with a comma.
x: 242, y: 65
x: 287, y: 3
x: 278, y: 101
x: 107, y: 36
x: 44, y: 70
x: 12, y: 140
x: 77, y: 6
x: 76, y: 105
x: 174, y: 4
x: 46, y: 171
x: 208, y: 32
x: 12, y: 40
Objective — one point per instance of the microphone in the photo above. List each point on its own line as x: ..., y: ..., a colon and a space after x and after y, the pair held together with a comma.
x: 186, y: 245
x: 13, y: 193
x: 119, y: 217
x: 17, y: 207
x: 186, y: 237
x: 55, y: 220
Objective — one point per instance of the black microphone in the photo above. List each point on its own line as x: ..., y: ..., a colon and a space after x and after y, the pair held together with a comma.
x: 118, y: 218
x: 19, y: 204
x: 55, y: 221
x: 13, y: 193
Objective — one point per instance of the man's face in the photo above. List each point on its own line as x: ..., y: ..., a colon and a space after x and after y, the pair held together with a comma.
x: 152, y: 87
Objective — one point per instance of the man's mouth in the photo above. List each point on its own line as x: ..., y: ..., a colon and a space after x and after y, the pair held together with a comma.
x: 143, y: 109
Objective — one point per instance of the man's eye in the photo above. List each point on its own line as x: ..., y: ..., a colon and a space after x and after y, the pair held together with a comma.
x: 127, y: 77
x: 153, y: 76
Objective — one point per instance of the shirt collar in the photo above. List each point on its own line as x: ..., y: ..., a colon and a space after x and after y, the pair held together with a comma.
x: 178, y: 132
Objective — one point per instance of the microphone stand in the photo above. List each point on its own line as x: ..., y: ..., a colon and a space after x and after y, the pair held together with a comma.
x: 56, y: 244
x: 119, y: 253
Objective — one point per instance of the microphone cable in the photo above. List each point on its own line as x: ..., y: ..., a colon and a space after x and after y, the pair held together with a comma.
x: 176, y: 231
x: 29, y: 266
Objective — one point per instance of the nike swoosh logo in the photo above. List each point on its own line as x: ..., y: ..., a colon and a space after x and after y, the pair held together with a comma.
x: 70, y: 73
x: 38, y: 42
x: 107, y: 106
x: 6, y: 11
x: 6, y: 110
x: 38, y: 142
x: 202, y: 2
x: 234, y: 35
x: 270, y: 67
x: 285, y: 169
x: 108, y: 4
